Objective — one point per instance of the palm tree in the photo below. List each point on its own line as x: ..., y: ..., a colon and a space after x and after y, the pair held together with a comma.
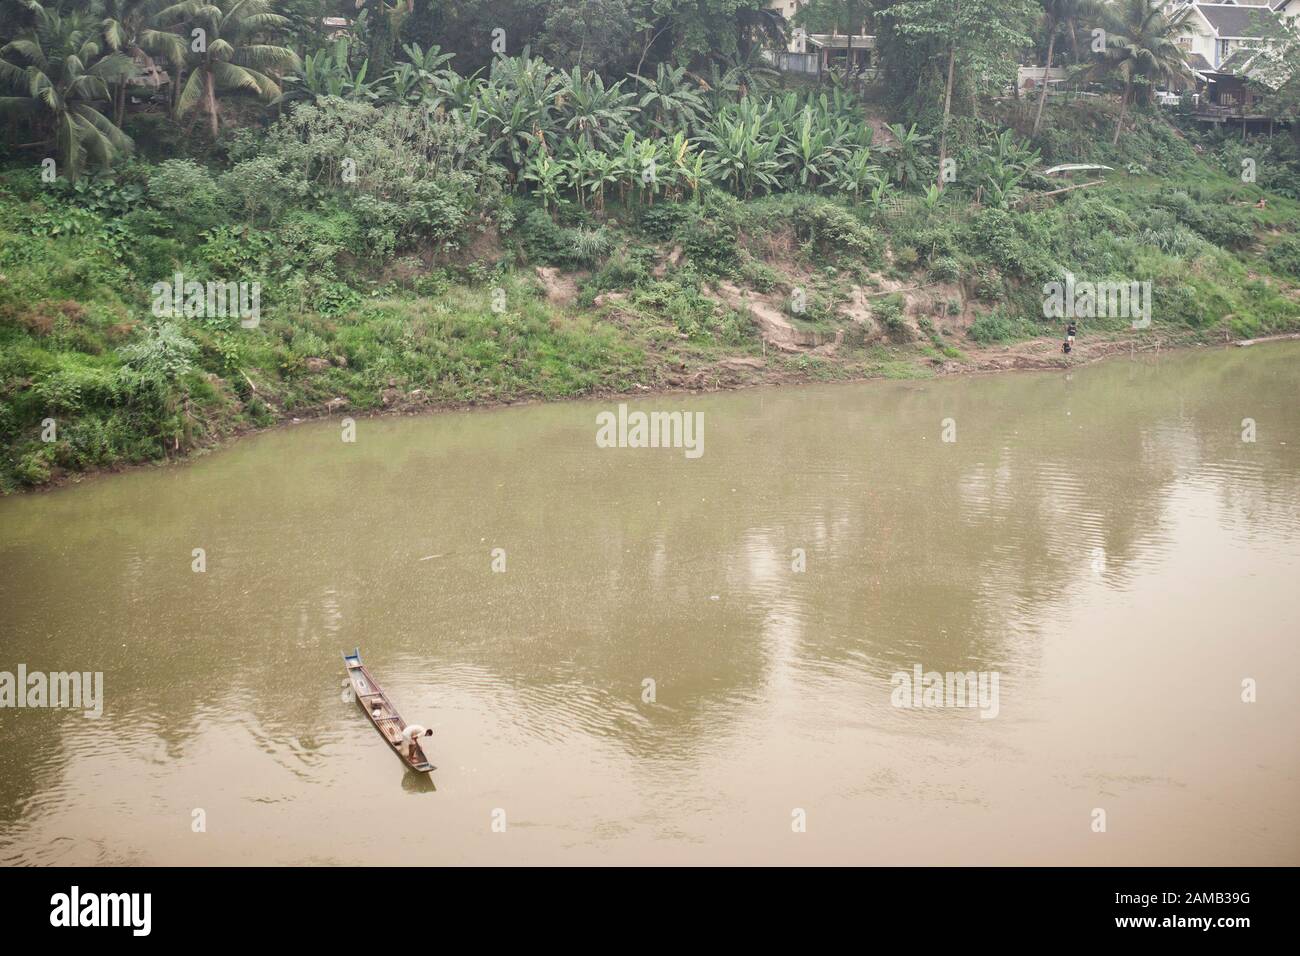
x: 60, y: 72
x: 126, y: 28
x: 1058, y: 15
x: 226, y: 54
x: 1141, y: 42
x: 750, y: 73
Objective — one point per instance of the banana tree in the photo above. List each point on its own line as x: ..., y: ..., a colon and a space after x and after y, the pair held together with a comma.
x: 741, y: 152
x: 589, y: 170
x: 329, y: 73
x: 547, y: 176
x: 809, y: 154
x: 880, y: 194
x: 905, y: 154
x: 518, y: 102
x: 686, y: 164
x: 856, y: 173
x: 671, y: 100
x: 593, y: 112
x: 422, y: 79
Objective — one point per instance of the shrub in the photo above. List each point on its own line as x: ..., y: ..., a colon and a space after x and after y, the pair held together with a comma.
x: 709, y: 245
x: 833, y: 230
x: 888, y: 312
x: 1003, y: 239
x: 660, y: 222
x: 185, y: 190
x: 988, y: 284
x: 993, y: 327
x: 591, y: 245
x: 759, y: 275
x: 1284, y: 256
x: 162, y: 356
x: 33, y: 468
x: 945, y: 269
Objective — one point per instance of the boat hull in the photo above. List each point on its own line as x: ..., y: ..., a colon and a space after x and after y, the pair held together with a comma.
x: 383, y: 715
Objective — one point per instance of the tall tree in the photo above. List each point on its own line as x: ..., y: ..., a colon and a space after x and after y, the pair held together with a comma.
x: 980, y: 36
x: 1059, y: 16
x: 1141, y: 44
x: 60, y: 72
x: 127, y: 27
x: 227, y: 52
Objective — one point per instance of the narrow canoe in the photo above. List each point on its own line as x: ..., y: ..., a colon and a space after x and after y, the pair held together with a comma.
x: 382, y: 713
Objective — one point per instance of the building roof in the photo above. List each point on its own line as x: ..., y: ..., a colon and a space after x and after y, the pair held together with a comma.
x: 1262, y: 67
x: 1231, y: 20
x: 1239, y: 62
x: 1198, y: 63
x: 840, y: 41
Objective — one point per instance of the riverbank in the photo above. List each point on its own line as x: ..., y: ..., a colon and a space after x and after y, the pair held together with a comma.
x: 1034, y: 355
x: 532, y: 302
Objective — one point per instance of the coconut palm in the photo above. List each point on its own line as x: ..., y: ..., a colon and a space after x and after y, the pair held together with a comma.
x: 127, y: 28
x: 59, y: 71
x: 228, y: 53
x: 1059, y: 16
x: 1141, y: 43
x: 749, y: 71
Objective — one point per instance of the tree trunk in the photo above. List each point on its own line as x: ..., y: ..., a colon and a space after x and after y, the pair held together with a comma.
x: 1042, y: 94
x: 119, y: 105
x: 210, y: 99
x: 947, y: 109
x: 1123, y: 106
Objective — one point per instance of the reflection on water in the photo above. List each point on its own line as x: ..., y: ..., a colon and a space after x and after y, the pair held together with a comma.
x: 1104, y: 540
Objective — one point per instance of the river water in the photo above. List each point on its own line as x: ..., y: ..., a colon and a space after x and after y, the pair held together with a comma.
x: 1105, y: 542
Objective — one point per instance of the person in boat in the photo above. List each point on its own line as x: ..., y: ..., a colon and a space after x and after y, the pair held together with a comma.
x: 411, y: 734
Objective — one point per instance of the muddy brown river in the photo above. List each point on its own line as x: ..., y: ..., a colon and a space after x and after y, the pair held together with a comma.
x: 634, y: 655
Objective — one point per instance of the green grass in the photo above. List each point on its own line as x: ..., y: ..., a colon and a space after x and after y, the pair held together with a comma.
x: 78, y: 343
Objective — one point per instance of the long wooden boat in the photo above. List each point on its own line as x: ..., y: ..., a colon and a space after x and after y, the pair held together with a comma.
x: 384, y: 715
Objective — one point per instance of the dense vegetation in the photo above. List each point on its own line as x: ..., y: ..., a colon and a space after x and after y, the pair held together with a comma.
x: 680, y: 195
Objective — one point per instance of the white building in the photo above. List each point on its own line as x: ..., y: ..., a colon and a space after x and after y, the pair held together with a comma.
x: 1288, y: 10
x: 1212, y: 32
